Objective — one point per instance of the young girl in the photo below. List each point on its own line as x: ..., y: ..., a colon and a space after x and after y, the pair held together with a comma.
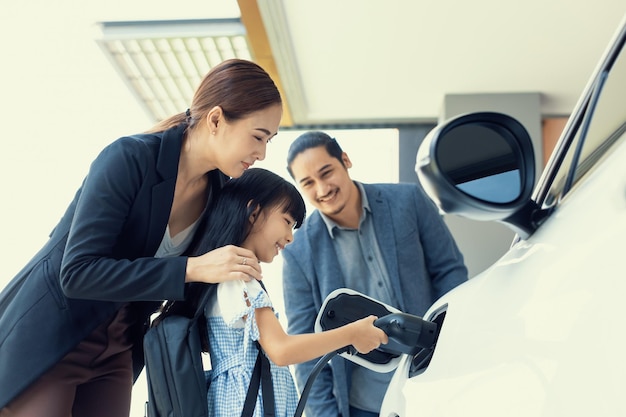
x: 259, y: 212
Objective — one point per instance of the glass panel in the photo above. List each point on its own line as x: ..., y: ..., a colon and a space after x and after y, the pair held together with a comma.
x: 480, y: 161
x: 606, y: 127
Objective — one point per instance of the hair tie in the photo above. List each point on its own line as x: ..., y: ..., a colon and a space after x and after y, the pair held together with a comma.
x: 188, y: 114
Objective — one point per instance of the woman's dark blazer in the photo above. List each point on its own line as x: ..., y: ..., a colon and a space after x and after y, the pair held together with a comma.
x: 99, y: 257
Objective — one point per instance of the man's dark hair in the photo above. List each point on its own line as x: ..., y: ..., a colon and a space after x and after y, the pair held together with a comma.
x: 310, y: 140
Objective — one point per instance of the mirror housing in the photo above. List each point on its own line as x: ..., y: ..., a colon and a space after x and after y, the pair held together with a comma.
x: 481, y: 166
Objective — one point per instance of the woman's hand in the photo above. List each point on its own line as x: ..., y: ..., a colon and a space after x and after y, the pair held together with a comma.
x: 367, y: 337
x: 223, y: 264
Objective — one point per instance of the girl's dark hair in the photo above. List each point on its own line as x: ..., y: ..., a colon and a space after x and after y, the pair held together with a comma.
x: 313, y: 139
x: 227, y: 221
x: 238, y: 86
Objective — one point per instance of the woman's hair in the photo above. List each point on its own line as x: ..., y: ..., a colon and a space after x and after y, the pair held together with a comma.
x: 313, y: 139
x: 238, y: 86
x: 227, y: 221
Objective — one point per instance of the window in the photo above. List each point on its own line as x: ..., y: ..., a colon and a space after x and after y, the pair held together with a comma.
x: 602, y: 123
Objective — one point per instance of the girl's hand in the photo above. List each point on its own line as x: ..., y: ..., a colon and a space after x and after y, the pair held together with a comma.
x: 223, y: 264
x: 367, y: 337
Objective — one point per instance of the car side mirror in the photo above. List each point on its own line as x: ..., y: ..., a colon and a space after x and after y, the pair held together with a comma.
x: 480, y: 166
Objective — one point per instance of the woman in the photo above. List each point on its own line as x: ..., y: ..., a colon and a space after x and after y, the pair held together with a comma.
x: 72, y: 321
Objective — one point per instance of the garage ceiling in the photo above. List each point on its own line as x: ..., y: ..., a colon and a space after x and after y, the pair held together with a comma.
x: 344, y: 62
x: 364, y: 61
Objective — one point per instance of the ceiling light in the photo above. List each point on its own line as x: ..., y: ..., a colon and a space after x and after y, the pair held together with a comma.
x: 163, y: 62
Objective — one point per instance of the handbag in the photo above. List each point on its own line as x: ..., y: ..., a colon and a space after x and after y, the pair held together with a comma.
x: 177, y: 385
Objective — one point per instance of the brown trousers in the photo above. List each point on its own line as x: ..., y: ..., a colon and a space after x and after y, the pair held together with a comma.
x: 94, y: 380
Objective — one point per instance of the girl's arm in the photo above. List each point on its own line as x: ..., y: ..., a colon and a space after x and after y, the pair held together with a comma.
x: 284, y: 349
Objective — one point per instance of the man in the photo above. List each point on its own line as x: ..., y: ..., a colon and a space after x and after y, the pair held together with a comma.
x: 384, y: 240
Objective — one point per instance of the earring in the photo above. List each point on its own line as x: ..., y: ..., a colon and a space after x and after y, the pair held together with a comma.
x: 214, y: 132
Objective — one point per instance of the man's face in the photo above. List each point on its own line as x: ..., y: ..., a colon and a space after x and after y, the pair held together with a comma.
x: 323, y: 180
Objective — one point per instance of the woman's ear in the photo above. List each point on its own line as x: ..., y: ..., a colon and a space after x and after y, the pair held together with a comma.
x: 213, y: 118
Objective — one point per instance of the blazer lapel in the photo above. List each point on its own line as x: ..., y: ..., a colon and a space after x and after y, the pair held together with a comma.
x: 385, y: 234
x: 163, y: 192
x: 327, y: 267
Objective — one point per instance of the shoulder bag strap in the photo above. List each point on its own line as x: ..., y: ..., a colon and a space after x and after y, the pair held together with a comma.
x: 262, y: 375
x: 267, y: 386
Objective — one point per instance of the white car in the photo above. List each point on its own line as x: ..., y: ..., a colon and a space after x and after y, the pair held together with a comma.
x: 542, y: 331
